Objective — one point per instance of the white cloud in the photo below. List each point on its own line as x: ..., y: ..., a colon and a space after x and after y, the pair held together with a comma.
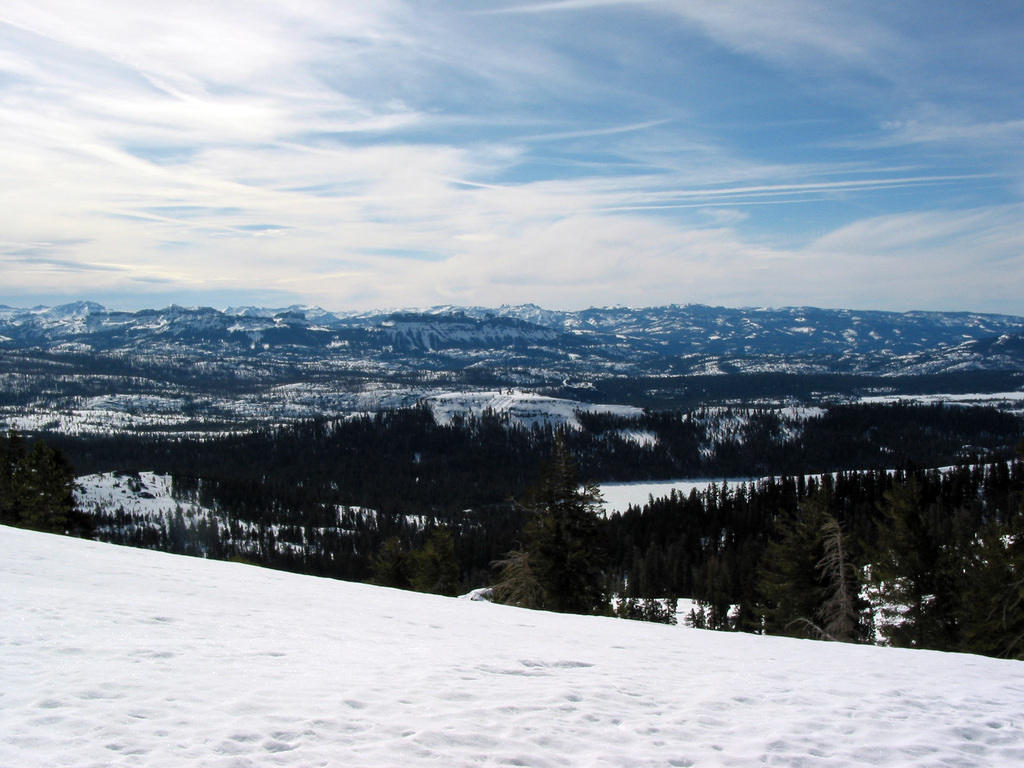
x: 402, y: 153
x: 998, y: 133
x: 914, y: 261
x: 796, y: 31
x: 951, y: 259
x: 789, y: 31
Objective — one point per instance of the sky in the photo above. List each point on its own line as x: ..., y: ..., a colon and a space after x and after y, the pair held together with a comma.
x: 569, y: 153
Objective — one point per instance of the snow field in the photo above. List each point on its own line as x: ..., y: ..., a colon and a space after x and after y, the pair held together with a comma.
x: 1010, y: 402
x: 619, y: 496
x: 969, y: 399
x: 122, y: 657
x: 145, y: 494
x: 523, y: 408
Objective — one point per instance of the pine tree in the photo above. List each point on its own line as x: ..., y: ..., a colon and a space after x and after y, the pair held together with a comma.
x: 517, y: 584
x: 37, y: 489
x: 391, y: 567
x: 648, y: 609
x: 563, y: 550
x: 917, y: 570
x: 434, y: 568
x: 789, y: 579
x: 12, y: 461
x: 992, y: 601
x: 808, y: 582
x: 840, y: 613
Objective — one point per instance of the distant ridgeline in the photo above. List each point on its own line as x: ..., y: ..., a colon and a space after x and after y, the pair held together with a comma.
x: 186, y: 369
x: 851, y: 340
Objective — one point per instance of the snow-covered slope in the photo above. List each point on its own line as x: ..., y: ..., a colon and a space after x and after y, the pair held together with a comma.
x: 121, y: 657
x: 145, y: 494
x: 694, y: 338
x: 524, y: 408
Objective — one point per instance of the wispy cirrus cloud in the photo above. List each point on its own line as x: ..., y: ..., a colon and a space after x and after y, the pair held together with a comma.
x: 996, y: 134
x: 787, y: 30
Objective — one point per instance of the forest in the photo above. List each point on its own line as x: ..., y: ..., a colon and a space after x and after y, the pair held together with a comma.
x: 847, y: 536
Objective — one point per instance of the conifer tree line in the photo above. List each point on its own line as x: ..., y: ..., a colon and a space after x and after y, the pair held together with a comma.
x: 36, y: 488
x: 922, y: 559
x: 558, y: 563
x: 398, y: 498
x: 291, y: 497
x: 406, y: 461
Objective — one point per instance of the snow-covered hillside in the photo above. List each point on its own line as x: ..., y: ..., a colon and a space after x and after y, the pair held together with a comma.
x: 1012, y: 402
x: 121, y: 657
x: 145, y: 494
x: 523, y: 408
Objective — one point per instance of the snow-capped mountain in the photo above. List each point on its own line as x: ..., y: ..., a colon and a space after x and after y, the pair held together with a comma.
x: 702, y: 329
x: 677, y: 339
x: 82, y: 367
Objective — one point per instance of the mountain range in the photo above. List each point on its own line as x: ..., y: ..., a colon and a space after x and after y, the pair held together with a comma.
x: 83, y: 368
x: 675, y: 339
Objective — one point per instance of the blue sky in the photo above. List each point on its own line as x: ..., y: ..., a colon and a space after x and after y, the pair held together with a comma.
x: 570, y: 153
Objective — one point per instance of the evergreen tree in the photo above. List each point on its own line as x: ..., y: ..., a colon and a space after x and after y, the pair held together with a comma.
x: 840, y: 613
x: 12, y: 463
x: 434, y: 568
x: 789, y: 579
x: 808, y: 582
x: 392, y: 567
x: 517, y: 583
x: 697, y: 617
x: 992, y: 601
x: 715, y: 592
x: 648, y: 609
x: 37, y: 489
x: 918, y: 568
x: 563, y: 552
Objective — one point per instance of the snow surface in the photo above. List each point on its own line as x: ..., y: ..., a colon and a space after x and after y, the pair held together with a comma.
x: 1008, y: 399
x: 131, y: 413
x: 145, y: 494
x: 123, y: 657
x: 524, y: 408
x: 619, y: 496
